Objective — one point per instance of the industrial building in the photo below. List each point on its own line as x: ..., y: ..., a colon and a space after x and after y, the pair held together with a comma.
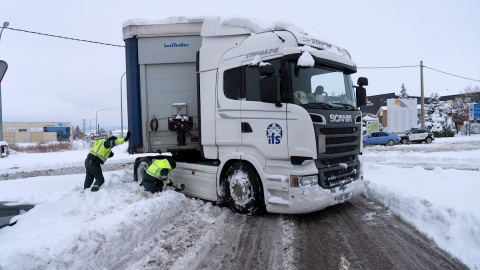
x: 37, y: 132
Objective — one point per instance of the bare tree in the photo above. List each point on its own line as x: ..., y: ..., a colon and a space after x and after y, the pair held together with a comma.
x: 77, y: 134
x: 473, y: 93
x: 458, y: 109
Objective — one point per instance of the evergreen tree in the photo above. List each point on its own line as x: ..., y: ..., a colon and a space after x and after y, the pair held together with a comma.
x: 403, y: 92
x: 435, y: 118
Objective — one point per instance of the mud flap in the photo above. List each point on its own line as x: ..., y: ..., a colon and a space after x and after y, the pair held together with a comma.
x: 8, y: 212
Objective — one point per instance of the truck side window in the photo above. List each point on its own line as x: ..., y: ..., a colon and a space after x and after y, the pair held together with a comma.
x: 244, y: 82
x: 233, y: 83
x: 252, y: 80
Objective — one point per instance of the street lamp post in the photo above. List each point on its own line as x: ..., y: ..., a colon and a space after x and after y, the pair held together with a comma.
x: 5, y: 24
x: 121, y: 105
x: 96, y: 122
x: 90, y: 135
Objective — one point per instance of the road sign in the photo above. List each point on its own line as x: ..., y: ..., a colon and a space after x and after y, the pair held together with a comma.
x: 474, y: 111
x: 3, y: 69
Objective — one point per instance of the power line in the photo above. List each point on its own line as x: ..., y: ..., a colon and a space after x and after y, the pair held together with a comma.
x: 76, y: 39
x: 424, y: 67
x: 452, y: 74
x: 389, y: 67
x: 108, y: 44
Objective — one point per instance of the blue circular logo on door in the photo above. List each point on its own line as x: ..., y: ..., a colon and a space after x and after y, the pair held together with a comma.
x: 274, y: 133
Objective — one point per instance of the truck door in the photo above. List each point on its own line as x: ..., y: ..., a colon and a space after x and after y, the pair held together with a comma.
x: 228, y: 107
x: 263, y: 125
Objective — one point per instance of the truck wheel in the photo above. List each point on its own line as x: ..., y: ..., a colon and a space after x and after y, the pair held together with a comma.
x: 404, y: 141
x: 140, y: 165
x: 428, y: 140
x: 390, y: 143
x: 243, y: 189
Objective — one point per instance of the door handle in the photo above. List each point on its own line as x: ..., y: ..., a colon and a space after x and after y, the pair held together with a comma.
x: 246, y: 128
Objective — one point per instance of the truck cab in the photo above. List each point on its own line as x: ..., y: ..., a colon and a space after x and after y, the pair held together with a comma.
x: 261, y: 119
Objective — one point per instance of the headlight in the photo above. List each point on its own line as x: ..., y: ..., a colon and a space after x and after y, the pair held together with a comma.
x: 304, y: 180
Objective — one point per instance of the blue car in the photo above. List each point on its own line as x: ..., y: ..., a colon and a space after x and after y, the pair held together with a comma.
x: 380, y: 138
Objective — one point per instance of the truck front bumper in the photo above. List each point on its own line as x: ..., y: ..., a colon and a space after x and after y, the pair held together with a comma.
x: 312, y: 198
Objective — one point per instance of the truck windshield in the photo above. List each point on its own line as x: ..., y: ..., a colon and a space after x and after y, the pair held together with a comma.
x: 322, y: 86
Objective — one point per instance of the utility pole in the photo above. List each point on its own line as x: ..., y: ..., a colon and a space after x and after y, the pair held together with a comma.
x: 422, y: 96
x: 84, y: 129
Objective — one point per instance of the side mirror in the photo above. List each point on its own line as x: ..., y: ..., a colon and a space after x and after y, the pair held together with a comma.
x: 362, y: 81
x: 266, y: 70
x: 361, y: 94
x: 268, y: 89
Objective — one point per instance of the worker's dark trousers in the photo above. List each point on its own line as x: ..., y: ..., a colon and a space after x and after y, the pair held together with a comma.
x: 151, y: 183
x: 93, y: 172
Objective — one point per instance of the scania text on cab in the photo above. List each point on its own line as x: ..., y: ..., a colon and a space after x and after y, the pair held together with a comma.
x: 261, y: 119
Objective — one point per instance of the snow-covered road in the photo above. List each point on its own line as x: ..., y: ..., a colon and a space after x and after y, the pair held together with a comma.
x: 433, y: 187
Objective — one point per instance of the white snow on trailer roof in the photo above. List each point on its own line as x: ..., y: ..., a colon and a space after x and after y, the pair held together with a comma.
x: 169, y: 20
x: 224, y: 26
x: 252, y: 24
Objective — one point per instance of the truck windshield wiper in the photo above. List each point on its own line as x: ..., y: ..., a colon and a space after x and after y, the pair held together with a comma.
x: 316, y: 105
x: 345, y: 105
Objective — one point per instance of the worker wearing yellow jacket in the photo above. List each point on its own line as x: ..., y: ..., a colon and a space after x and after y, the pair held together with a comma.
x: 155, y: 177
x: 100, y: 152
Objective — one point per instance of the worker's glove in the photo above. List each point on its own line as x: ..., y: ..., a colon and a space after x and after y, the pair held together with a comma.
x: 128, y: 136
x: 168, y: 182
x: 111, y: 154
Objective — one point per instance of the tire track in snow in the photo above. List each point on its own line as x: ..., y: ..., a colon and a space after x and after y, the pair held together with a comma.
x: 63, y: 171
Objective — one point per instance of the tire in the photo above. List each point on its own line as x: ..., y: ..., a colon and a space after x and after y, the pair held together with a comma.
x: 390, y: 143
x: 243, y: 189
x: 404, y: 141
x: 364, y: 145
x: 428, y: 140
x: 140, y: 165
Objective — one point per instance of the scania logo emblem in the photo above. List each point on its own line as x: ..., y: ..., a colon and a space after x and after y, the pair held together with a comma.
x: 340, y: 118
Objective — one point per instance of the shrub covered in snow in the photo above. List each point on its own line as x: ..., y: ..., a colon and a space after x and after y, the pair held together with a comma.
x: 474, y: 130
x: 436, y: 120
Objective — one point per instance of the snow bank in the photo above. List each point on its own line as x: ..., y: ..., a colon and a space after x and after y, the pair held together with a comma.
x: 443, y: 204
x: 75, y: 229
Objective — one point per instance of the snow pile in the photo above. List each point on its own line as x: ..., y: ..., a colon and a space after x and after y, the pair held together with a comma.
x: 253, y: 24
x: 259, y: 26
x: 72, y: 229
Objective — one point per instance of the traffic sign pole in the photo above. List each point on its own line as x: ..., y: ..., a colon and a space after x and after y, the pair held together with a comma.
x: 3, y: 69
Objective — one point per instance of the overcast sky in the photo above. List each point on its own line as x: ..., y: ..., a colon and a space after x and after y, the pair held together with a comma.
x: 52, y: 79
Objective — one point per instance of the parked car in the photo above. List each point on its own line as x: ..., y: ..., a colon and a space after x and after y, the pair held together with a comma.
x: 416, y: 136
x: 380, y: 138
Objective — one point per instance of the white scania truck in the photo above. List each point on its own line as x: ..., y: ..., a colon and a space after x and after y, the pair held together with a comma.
x: 241, y: 110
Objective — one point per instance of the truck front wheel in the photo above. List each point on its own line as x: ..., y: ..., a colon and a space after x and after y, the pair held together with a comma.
x: 243, y: 189
x: 140, y: 165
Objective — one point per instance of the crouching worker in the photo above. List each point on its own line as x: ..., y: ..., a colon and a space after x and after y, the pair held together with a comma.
x: 155, y: 177
x: 100, y: 152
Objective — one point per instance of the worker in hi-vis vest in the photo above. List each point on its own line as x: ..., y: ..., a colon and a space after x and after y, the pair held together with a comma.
x: 156, y: 175
x: 100, y: 152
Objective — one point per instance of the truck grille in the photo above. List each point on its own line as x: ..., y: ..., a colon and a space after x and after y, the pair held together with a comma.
x: 339, y: 164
